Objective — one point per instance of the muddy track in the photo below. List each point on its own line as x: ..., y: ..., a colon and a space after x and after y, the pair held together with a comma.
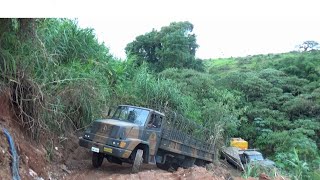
x: 113, y: 171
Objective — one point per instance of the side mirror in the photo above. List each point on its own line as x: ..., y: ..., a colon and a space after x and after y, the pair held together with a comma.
x: 109, y: 112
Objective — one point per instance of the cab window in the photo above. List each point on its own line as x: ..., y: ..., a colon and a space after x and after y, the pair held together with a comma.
x: 155, y: 121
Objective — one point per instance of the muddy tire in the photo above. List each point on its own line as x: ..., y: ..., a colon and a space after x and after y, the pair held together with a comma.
x: 137, y: 161
x: 200, y: 162
x: 97, y: 159
x: 167, y: 165
x: 164, y: 166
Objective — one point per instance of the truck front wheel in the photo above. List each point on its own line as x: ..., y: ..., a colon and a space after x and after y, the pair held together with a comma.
x: 137, y: 161
x: 97, y: 159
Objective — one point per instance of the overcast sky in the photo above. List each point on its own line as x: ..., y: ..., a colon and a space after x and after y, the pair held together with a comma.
x: 223, y: 28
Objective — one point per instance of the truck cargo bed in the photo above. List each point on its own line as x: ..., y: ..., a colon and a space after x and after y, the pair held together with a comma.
x: 181, y: 143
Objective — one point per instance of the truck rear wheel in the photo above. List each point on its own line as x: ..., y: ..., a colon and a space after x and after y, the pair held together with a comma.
x: 137, y: 161
x: 164, y: 166
x: 168, y: 165
x: 97, y: 159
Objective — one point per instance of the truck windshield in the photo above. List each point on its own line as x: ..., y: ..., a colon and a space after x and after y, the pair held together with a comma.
x: 130, y: 114
x: 256, y: 157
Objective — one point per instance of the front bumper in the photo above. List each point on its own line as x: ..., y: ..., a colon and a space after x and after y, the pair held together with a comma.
x: 106, y: 149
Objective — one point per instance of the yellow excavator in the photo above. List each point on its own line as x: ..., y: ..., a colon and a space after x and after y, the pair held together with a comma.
x: 239, y: 155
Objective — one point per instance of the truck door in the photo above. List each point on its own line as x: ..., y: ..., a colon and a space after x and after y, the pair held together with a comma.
x: 152, y: 133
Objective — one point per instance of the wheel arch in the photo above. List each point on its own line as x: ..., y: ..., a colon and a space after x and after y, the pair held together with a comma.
x: 146, y: 151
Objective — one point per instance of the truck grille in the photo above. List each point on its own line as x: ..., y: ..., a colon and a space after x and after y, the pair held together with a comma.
x: 102, y: 129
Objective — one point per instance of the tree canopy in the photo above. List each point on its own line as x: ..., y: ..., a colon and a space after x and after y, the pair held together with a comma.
x: 308, y: 45
x: 173, y: 46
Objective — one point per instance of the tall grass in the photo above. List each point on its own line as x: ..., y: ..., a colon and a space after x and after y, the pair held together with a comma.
x: 254, y: 169
x: 144, y: 89
x: 58, y: 80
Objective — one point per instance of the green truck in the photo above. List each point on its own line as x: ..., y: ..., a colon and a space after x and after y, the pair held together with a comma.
x: 139, y: 135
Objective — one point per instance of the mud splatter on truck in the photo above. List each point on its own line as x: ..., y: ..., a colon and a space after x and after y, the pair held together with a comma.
x: 139, y: 135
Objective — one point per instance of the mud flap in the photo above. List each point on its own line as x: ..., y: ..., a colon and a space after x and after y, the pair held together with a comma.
x: 97, y: 159
x: 152, y: 160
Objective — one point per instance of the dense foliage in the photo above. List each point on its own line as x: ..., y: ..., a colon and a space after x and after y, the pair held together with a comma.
x: 172, y: 46
x: 62, y: 78
x: 281, y: 93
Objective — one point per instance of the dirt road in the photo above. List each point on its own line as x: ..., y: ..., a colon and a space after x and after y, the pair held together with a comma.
x: 117, y: 172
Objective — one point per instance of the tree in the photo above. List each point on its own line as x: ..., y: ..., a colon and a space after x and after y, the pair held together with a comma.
x: 308, y: 45
x: 24, y: 27
x: 145, y: 47
x: 173, y: 46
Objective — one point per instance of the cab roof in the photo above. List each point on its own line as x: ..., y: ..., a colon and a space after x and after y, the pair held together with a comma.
x: 252, y: 153
x: 152, y: 110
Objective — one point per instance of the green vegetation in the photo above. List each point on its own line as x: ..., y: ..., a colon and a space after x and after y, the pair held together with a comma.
x: 61, y: 78
x: 281, y: 96
x: 253, y: 169
x: 172, y: 46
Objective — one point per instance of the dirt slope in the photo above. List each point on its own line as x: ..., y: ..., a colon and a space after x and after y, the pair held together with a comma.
x: 32, y: 156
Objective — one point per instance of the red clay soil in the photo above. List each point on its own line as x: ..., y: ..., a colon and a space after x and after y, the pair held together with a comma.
x: 117, y: 172
x: 4, y: 146
x: 32, y: 156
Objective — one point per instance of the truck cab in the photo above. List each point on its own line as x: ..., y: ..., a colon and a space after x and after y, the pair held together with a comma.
x: 254, y: 156
x: 132, y: 135
x: 251, y: 156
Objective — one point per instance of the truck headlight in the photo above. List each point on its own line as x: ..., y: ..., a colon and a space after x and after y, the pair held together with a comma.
x: 122, y: 144
x: 87, y: 136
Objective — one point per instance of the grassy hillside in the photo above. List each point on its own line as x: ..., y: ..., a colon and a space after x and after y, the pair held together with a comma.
x: 281, y: 93
x: 282, y: 61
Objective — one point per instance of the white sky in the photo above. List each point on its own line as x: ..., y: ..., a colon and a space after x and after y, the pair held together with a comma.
x: 223, y: 27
